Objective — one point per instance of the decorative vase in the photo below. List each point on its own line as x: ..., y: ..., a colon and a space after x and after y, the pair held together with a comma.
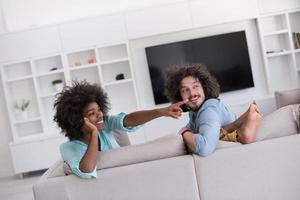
x: 58, y: 87
x: 24, y: 114
x: 21, y: 115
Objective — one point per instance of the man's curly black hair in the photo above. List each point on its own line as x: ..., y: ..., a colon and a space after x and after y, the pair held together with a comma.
x: 176, y: 73
x: 69, y: 105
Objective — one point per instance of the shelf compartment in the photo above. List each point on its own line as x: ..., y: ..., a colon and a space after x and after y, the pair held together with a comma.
x: 280, y: 69
x: 122, y: 97
x: 45, y: 85
x: 112, y: 71
x: 23, y: 90
x: 17, y: 71
x: 48, y: 65
x: 81, y: 58
x: 112, y: 52
x: 273, y: 23
x: 284, y: 31
x: 277, y: 43
x: 50, y: 125
x: 294, y: 21
x: 29, y: 128
x: 91, y: 75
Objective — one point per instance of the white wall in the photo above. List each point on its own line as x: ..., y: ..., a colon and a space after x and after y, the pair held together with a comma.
x: 31, y: 13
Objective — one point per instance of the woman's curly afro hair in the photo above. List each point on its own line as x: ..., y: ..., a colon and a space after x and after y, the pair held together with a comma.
x: 175, y: 75
x: 69, y: 105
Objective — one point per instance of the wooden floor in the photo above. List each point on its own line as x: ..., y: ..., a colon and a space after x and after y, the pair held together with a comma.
x: 14, y: 188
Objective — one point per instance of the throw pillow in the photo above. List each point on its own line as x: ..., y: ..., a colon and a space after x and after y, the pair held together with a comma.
x: 287, y: 97
x: 282, y: 122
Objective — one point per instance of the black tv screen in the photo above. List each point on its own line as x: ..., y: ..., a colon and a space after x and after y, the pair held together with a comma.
x: 226, y: 57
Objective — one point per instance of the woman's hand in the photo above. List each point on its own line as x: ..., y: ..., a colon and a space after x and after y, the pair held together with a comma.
x: 143, y: 116
x: 89, y: 160
x: 173, y: 110
x: 88, y: 127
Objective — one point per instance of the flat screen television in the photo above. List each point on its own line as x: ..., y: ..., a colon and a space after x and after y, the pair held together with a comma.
x: 226, y: 57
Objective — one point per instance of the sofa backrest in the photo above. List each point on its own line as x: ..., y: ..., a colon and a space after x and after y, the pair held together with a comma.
x: 122, y: 138
x: 262, y: 170
x: 164, y: 147
x: 60, y: 168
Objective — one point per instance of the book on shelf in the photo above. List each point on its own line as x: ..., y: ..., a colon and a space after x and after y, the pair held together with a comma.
x: 296, y: 39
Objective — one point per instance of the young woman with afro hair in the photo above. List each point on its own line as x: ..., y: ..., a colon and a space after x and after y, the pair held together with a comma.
x: 81, y: 111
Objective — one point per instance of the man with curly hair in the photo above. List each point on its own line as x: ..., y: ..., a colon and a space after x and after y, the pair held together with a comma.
x: 210, y: 120
x: 82, y: 114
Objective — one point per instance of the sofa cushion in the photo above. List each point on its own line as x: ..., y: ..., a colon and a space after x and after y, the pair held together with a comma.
x: 287, y: 97
x: 263, y: 170
x: 172, y: 178
x: 282, y: 122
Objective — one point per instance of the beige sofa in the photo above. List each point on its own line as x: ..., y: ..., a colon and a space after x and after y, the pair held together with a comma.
x: 161, y: 169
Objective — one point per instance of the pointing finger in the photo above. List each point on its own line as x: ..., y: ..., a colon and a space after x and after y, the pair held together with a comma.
x: 181, y: 102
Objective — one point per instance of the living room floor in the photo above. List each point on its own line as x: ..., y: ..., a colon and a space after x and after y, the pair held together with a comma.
x: 14, y: 188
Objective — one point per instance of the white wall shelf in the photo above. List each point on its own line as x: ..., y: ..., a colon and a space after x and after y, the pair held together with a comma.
x: 19, y: 79
x: 276, y: 32
x: 281, y: 56
x: 32, y: 79
x: 79, y: 67
x: 50, y: 73
x: 114, y: 61
x: 269, y: 55
x: 27, y: 120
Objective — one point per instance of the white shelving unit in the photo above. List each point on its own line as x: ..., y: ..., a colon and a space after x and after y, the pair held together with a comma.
x: 105, y: 65
x: 281, y: 55
x: 32, y: 79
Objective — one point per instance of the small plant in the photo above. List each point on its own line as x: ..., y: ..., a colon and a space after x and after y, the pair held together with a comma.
x: 23, y: 105
x: 57, y: 81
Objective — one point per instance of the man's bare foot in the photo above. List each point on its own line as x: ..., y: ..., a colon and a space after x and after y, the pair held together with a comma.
x: 242, y: 119
x: 247, y: 131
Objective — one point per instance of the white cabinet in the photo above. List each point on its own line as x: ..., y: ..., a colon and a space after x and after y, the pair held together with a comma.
x: 25, y: 44
x: 281, y: 55
x: 88, y: 32
x: 158, y: 20
x: 35, y: 155
x: 207, y: 13
x: 32, y: 80
x: 268, y: 6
